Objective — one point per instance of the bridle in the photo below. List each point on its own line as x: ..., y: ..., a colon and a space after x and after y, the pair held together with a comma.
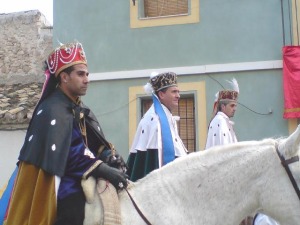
x: 137, y: 208
x: 285, y: 163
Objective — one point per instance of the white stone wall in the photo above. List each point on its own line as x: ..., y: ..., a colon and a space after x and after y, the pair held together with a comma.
x: 26, y: 41
x: 10, y: 146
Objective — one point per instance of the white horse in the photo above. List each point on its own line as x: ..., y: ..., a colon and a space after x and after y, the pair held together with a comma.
x: 219, y: 186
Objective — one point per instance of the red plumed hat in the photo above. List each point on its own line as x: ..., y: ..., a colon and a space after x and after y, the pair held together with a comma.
x: 227, y: 95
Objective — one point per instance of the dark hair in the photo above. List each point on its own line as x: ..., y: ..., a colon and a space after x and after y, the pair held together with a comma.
x: 162, y: 90
x: 222, y: 103
x: 53, y: 81
x: 68, y: 71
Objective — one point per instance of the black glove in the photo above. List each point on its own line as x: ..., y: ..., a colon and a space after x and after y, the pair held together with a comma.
x: 113, y: 160
x: 113, y: 175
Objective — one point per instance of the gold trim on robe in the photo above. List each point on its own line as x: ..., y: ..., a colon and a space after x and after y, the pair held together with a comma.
x: 32, y: 188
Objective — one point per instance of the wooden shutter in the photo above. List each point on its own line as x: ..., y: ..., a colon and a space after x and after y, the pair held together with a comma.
x: 158, y: 8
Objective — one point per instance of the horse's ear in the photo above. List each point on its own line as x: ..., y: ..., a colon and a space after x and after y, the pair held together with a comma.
x: 290, y: 146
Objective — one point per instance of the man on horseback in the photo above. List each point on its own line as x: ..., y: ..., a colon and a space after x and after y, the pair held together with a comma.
x: 63, y: 145
x: 157, y: 141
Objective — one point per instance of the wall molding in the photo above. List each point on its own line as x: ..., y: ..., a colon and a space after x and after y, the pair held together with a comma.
x: 189, y: 70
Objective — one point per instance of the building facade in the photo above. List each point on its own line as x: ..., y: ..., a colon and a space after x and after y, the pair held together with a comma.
x: 204, y: 42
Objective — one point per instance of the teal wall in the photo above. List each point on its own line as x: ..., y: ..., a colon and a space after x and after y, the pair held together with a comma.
x: 228, y: 32
x: 109, y: 102
x: 260, y: 92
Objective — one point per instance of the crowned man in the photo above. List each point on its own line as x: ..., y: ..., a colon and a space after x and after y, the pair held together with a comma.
x: 220, y: 130
x: 157, y: 141
x: 64, y: 145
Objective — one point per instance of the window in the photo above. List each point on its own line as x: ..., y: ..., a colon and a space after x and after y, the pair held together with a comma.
x: 159, y: 8
x: 186, y: 125
x: 150, y: 13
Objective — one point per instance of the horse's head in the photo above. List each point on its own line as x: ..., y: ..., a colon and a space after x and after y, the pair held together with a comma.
x: 288, y: 149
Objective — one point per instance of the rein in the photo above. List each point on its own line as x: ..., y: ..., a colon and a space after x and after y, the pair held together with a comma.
x: 137, y: 208
x: 285, y: 163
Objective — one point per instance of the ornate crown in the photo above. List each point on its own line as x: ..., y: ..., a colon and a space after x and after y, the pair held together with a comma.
x: 163, y: 80
x: 228, y: 95
x: 65, y: 56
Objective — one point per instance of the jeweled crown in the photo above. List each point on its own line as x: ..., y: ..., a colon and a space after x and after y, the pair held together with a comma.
x: 65, y: 56
x: 228, y: 95
x: 163, y: 80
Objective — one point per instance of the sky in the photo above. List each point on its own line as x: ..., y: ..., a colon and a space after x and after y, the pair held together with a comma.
x: 44, y: 6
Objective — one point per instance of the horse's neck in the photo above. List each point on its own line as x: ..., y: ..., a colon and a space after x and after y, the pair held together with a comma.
x: 231, y: 183
x: 232, y: 180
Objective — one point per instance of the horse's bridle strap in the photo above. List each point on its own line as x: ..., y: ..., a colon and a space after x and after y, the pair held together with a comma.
x: 285, y: 163
x: 289, y: 161
x: 137, y: 208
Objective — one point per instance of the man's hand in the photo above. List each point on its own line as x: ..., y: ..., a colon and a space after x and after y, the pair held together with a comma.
x: 113, y: 159
x: 113, y: 175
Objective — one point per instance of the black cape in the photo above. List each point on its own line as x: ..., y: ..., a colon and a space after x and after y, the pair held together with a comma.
x: 48, y: 137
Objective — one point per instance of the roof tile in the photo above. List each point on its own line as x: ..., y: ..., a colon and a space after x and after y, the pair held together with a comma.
x: 17, y: 102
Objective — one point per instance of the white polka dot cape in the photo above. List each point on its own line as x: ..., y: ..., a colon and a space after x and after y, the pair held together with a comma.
x: 48, y: 137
